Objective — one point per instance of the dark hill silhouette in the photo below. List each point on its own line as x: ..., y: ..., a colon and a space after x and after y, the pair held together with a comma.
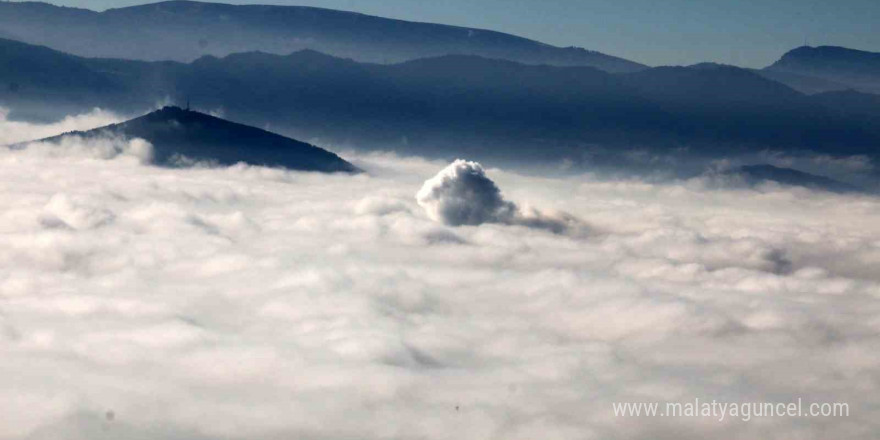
x: 185, y: 30
x: 802, y: 83
x: 725, y: 108
x: 754, y: 174
x: 733, y: 86
x: 856, y: 69
x: 852, y: 105
x: 180, y: 135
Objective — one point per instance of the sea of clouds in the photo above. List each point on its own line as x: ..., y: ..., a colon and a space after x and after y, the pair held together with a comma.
x: 141, y: 302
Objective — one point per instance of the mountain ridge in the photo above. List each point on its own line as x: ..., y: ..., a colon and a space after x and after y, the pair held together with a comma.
x: 186, y: 30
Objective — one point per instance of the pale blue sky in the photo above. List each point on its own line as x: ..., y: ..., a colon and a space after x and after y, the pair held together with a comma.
x: 750, y: 33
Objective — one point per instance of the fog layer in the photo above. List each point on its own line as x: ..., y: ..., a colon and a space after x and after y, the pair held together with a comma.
x: 252, y: 303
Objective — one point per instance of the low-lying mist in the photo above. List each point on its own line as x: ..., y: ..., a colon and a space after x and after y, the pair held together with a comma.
x: 249, y: 303
x: 15, y: 131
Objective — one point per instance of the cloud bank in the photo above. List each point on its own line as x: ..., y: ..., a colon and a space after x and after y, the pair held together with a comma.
x: 251, y: 303
x: 102, y: 148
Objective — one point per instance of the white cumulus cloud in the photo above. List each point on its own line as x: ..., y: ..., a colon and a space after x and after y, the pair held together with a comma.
x: 462, y: 194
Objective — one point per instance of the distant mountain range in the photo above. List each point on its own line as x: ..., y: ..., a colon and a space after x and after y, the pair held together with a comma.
x: 463, y: 105
x: 185, y: 31
x: 182, y: 137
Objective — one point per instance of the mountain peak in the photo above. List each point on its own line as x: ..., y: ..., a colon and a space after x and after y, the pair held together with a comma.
x: 856, y: 69
x: 826, y: 50
x: 180, y: 136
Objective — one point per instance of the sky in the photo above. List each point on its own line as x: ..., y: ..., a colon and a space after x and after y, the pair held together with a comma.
x: 749, y: 33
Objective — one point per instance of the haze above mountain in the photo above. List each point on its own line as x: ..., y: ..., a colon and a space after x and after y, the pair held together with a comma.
x: 182, y: 137
x: 462, y: 105
x: 854, y: 69
x: 184, y: 31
